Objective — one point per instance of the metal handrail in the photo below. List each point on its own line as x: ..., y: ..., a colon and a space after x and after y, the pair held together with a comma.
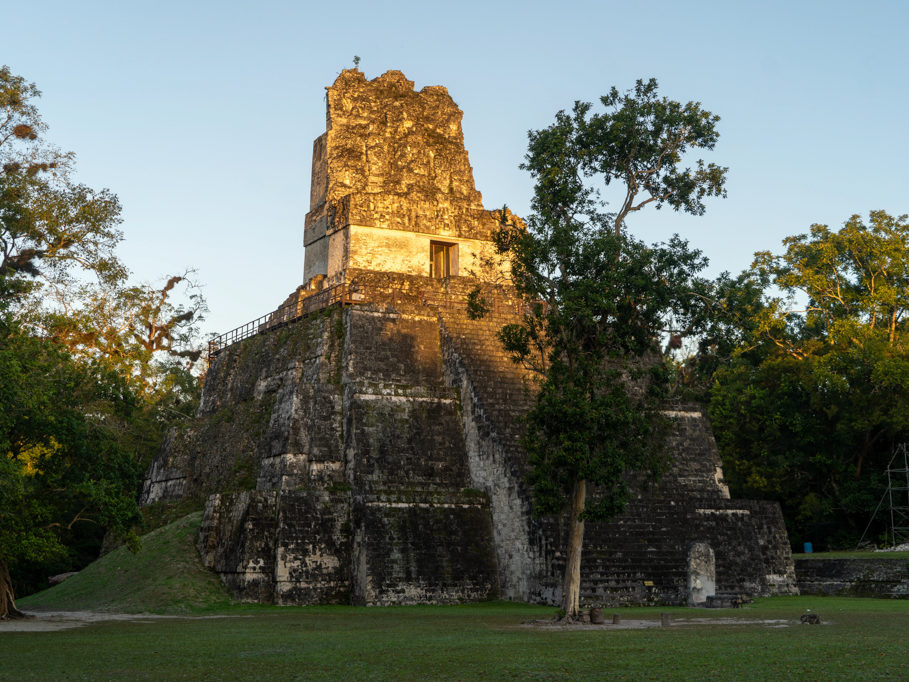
x: 284, y: 315
x: 343, y: 294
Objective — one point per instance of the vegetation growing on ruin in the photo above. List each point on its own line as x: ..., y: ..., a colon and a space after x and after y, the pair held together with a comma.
x: 164, y: 576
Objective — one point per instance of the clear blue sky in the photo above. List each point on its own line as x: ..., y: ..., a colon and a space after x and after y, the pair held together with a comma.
x: 200, y: 116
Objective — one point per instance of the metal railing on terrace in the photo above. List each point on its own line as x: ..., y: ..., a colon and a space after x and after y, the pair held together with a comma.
x: 286, y: 314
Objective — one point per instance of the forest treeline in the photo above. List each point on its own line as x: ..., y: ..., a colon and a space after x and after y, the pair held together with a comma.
x: 809, y: 390
x: 802, y: 360
x: 93, y: 366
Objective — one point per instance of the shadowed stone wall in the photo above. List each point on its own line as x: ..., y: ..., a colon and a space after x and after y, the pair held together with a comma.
x: 854, y: 577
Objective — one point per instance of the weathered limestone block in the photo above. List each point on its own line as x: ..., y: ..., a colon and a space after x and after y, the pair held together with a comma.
x: 365, y: 382
x: 383, y: 136
x: 312, y: 548
x: 854, y: 577
x: 390, y: 175
x: 403, y: 442
x: 236, y: 539
x: 770, y: 529
x: 271, y: 419
x: 696, y: 461
x: 494, y: 462
x: 641, y: 555
x: 731, y: 533
x: 291, y: 547
x: 701, y: 573
x: 283, y: 472
x: 423, y: 548
x: 401, y: 403
x: 166, y: 477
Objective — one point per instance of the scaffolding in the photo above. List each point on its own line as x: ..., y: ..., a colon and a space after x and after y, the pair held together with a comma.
x: 897, y: 496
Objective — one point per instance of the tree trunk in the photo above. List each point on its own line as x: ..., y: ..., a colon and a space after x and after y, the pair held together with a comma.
x: 571, y: 588
x: 7, y: 602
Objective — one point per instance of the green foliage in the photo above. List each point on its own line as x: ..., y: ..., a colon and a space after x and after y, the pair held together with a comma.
x: 639, y: 141
x: 816, y: 394
x: 163, y: 513
x: 595, y: 430
x: 856, y: 281
x: 65, y: 477
x: 597, y: 298
x: 148, y: 334
x: 49, y: 224
x: 59, y: 273
x: 92, y: 369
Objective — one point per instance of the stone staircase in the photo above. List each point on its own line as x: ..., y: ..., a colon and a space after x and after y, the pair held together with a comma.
x: 505, y: 388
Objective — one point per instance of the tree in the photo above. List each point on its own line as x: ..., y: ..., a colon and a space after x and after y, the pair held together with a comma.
x: 92, y: 369
x: 54, y: 232
x: 816, y: 394
x: 65, y: 477
x: 141, y: 330
x: 598, y: 300
x: 49, y: 224
x: 639, y: 141
x: 62, y: 280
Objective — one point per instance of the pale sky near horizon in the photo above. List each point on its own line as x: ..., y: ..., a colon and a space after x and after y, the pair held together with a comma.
x: 200, y: 116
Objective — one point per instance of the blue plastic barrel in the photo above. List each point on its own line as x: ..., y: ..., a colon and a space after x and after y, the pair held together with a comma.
x: 808, y: 548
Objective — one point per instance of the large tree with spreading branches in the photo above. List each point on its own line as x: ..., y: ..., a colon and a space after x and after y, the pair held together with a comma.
x: 92, y: 368
x: 598, y: 300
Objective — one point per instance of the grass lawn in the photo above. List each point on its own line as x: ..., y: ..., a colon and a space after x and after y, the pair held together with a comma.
x: 210, y: 638
x: 165, y: 576
x: 859, y: 639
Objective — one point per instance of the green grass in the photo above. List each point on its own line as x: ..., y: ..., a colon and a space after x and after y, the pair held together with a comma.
x: 165, y: 576
x: 853, y: 555
x: 860, y: 639
x: 214, y: 639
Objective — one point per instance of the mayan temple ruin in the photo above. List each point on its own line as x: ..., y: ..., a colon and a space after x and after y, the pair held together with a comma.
x: 359, y: 444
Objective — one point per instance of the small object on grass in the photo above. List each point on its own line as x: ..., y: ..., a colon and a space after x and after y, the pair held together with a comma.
x: 616, y: 619
x: 810, y: 618
x: 665, y: 620
x: 60, y: 577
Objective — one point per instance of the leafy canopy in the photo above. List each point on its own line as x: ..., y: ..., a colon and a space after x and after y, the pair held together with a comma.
x: 93, y: 369
x: 639, y: 142
x: 854, y: 281
x: 59, y: 272
x: 65, y: 475
x: 816, y: 394
x: 598, y: 299
x: 49, y: 224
